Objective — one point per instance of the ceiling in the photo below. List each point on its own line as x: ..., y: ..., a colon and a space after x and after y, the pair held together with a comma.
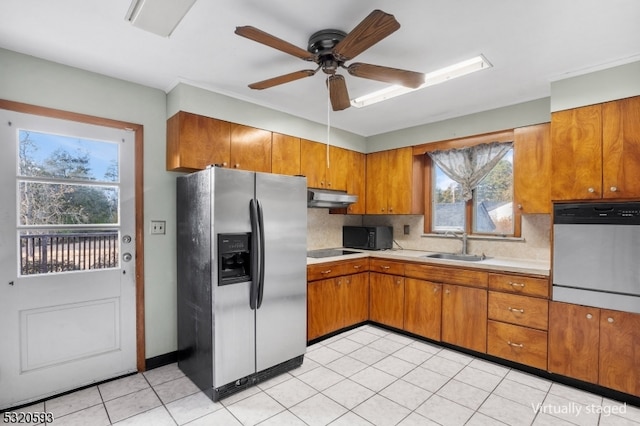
x: 529, y: 43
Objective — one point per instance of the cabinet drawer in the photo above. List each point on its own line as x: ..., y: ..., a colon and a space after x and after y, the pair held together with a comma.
x: 518, y: 284
x: 519, y: 344
x: 520, y: 310
x: 355, y: 266
x: 447, y: 275
x: 386, y: 267
x: 325, y: 270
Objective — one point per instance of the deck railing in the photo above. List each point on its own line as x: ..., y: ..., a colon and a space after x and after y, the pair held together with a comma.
x: 61, y: 252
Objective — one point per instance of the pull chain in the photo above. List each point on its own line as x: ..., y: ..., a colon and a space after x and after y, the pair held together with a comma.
x: 328, y: 118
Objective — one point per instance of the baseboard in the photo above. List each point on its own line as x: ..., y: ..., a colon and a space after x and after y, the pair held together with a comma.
x: 161, y: 360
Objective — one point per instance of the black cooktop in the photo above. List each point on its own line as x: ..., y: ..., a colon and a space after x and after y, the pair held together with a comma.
x: 317, y: 254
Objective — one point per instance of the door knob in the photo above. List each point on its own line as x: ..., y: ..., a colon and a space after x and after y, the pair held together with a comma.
x: 127, y: 257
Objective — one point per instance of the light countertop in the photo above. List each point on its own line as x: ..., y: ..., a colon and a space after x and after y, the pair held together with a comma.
x: 500, y: 264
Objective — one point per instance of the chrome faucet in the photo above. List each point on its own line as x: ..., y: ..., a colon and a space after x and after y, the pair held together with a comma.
x: 462, y: 237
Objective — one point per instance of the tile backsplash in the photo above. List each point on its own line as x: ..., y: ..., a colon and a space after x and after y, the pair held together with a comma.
x: 324, y: 230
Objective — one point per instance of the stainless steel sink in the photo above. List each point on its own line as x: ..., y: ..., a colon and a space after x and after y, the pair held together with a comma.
x: 453, y: 256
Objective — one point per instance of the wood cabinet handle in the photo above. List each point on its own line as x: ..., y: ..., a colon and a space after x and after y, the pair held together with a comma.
x: 390, y: 209
x: 515, y: 345
x: 224, y: 164
x: 398, y: 281
x: 435, y: 289
x: 328, y: 184
x: 328, y: 271
x: 514, y: 284
x: 614, y: 189
x: 515, y: 310
x: 385, y: 267
x: 519, y: 206
x: 447, y: 292
x: 589, y: 316
x: 237, y: 165
x: 611, y: 320
x: 357, y: 266
x: 591, y: 190
x: 321, y: 183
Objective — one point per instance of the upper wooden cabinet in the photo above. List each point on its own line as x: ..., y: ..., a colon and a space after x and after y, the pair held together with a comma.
x: 250, y: 148
x: 596, y: 151
x: 285, y: 154
x: 356, y: 181
x: 331, y: 167
x: 532, y: 168
x: 195, y: 142
x: 394, y: 182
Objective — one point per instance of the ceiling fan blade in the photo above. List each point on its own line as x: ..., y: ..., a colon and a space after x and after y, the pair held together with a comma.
x: 286, y: 78
x: 260, y: 36
x: 371, y: 30
x: 338, y: 92
x: 397, y: 76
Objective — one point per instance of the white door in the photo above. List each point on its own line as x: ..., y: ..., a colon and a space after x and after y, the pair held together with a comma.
x: 67, y: 278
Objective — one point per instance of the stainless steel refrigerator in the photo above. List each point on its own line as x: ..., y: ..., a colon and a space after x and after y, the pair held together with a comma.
x: 241, y: 263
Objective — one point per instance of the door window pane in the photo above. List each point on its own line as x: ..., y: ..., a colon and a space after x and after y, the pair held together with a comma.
x: 63, y: 251
x: 44, y: 203
x: 66, y: 157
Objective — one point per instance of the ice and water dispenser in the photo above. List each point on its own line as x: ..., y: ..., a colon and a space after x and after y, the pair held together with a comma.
x: 234, y: 258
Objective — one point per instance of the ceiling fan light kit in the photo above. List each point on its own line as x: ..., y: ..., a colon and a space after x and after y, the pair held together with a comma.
x: 330, y: 49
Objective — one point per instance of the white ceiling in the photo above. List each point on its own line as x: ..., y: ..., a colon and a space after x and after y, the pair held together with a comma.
x: 529, y: 43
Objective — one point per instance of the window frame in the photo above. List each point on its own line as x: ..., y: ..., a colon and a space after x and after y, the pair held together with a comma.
x: 501, y: 136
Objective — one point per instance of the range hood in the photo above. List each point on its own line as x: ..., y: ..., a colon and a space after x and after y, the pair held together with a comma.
x: 325, y: 198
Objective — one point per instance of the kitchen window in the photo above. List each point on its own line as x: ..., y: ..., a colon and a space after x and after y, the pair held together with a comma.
x: 472, y: 190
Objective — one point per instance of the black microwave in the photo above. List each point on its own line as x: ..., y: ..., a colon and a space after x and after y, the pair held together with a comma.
x: 367, y: 237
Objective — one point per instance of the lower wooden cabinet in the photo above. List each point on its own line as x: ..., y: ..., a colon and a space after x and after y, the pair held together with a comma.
x: 387, y: 299
x: 520, y: 344
x: 423, y: 308
x: 336, y: 303
x: 464, y: 317
x: 595, y: 345
x: 574, y: 337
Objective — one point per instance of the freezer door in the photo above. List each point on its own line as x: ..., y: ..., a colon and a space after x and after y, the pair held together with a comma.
x: 233, y: 319
x: 281, y: 320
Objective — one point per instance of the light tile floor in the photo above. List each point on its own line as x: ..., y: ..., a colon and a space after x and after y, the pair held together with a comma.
x: 361, y: 377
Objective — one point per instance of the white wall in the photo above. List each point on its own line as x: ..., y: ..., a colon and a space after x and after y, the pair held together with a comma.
x: 509, y: 117
x: 601, y: 86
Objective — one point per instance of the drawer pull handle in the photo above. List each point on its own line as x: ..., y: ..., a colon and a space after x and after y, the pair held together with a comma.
x: 357, y: 266
x: 328, y: 271
x: 385, y: 267
x: 515, y: 345
x: 512, y: 284
x: 516, y: 310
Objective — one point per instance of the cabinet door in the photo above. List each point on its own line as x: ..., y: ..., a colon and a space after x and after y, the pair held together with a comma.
x: 399, y: 180
x: 355, y: 298
x: 356, y: 181
x: 532, y: 168
x: 422, y: 308
x: 323, y: 308
x: 621, y: 148
x: 195, y: 142
x: 464, y: 317
x: 250, y: 148
x: 386, y: 299
x: 576, y: 160
x: 377, y: 171
x: 313, y: 163
x: 338, y: 168
x: 285, y: 154
x: 620, y: 351
x: 573, y: 341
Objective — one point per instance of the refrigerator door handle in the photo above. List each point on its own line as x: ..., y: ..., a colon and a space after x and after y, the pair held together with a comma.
x: 255, y: 257
x: 261, y: 255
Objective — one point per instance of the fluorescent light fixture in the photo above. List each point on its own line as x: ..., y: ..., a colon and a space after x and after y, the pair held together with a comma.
x: 435, y: 77
x: 160, y: 17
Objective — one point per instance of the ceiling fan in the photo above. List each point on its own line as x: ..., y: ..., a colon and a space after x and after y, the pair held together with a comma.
x: 330, y: 49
